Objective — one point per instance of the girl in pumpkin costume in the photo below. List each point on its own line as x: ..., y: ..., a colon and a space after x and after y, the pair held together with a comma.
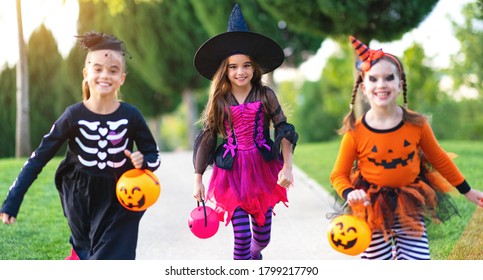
x: 101, y: 132
x: 396, y: 179
x: 250, y: 174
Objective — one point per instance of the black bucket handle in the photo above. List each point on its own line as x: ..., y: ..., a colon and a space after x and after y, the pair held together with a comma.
x: 204, y: 211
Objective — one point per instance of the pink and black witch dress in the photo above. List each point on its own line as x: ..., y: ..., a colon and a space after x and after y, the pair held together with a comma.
x: 247, y: 162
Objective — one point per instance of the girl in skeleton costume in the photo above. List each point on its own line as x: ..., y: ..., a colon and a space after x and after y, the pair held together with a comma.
x: 250, y: 174
x: 401, y: 174
x: 101, y: 132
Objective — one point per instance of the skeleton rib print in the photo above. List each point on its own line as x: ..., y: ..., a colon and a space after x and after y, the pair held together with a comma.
x: 101, y: 142
x: 95, y: 146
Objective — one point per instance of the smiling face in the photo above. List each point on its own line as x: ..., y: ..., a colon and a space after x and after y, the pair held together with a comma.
x: 382, y: 84
x: 104, y: 72
x: 240, y: 71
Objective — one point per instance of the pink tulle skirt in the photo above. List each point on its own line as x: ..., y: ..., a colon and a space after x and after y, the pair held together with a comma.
x: 251, y: 184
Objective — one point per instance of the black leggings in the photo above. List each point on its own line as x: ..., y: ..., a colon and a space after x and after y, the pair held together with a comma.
x: 101, y: 228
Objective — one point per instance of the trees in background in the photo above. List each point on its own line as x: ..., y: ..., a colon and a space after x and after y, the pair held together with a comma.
x: 365, y: 19
x: 463, y: 119
x: 422, y: 80
x: 162, y: 37
x: 46, y: 94
x: 46, y: 98
x: 7, y: 113
x: 467, y: 65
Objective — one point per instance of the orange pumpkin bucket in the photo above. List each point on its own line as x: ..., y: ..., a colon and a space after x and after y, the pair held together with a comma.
x: 138, y: 189
x: 349, y: 234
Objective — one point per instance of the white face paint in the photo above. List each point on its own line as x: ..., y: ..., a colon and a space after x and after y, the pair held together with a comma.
x: 381, y: 84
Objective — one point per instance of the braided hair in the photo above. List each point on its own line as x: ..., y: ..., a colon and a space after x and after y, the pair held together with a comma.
x: 349, y: 120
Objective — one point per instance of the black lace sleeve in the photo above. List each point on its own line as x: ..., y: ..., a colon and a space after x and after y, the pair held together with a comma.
x: 204, y: 150
x: 283, y: 129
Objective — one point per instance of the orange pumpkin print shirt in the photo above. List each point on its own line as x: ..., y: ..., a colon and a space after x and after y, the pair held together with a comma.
x: 390, y: 157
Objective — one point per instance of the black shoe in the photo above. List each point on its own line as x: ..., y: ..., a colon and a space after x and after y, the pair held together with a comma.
x: 259, y: 258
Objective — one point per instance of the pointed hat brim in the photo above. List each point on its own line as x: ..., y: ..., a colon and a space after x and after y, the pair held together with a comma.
x: 263, y: 50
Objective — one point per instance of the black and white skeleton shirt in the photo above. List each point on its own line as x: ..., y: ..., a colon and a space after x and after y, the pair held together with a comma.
x: 96, y: 145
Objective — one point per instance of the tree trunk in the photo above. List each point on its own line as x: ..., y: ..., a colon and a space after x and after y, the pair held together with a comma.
x: 154, y: 125
x: 191, y: 115
x: 22, y: 141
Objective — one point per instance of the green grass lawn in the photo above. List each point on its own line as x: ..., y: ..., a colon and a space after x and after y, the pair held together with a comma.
x: 317, y: 160
x: 41, y: 231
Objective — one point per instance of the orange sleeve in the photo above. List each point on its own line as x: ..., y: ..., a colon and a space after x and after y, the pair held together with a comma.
x: 438, y: 157
x: 340, y: 175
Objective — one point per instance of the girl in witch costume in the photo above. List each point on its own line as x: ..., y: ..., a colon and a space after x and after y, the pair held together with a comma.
x: 401, y: 175
x: 100, y: 132
x: 251, y: 172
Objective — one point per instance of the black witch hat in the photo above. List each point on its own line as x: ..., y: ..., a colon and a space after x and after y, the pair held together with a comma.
x: 237, y: 40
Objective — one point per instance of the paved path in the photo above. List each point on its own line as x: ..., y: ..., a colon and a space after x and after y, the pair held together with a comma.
x: 298, y: 231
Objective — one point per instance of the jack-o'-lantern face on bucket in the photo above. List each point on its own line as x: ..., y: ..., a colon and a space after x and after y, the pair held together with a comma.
x: 137, y: 189
x: 349, y: 235
x: 401, y: 156
x: 133, y: 197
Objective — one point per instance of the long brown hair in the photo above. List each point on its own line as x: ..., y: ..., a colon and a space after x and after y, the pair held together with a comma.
x: 214, y: 115
x: 349, y: 120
